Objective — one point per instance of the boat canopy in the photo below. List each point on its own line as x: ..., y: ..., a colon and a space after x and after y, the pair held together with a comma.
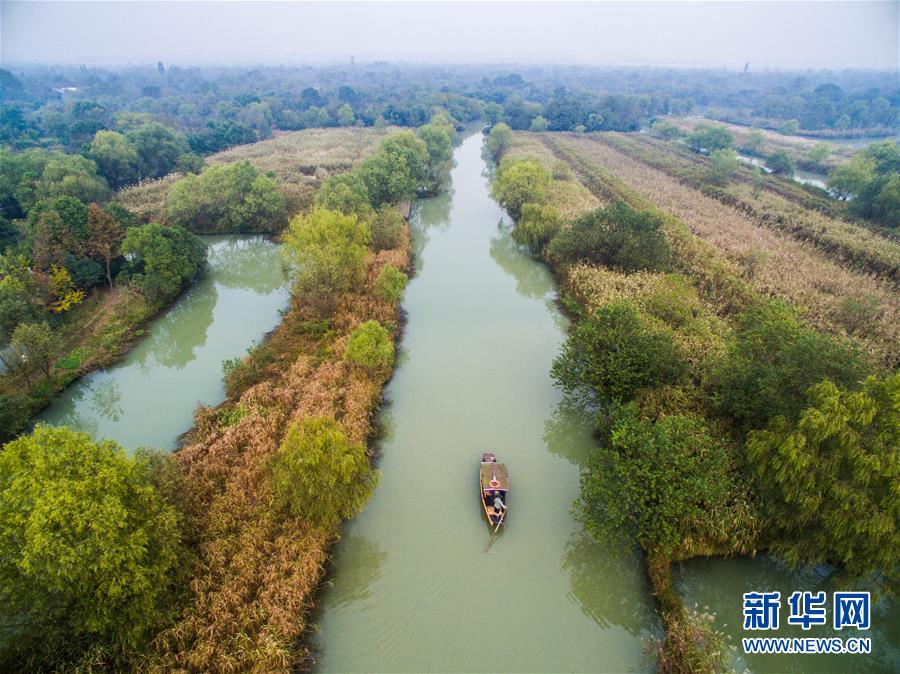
x: 497, y: 473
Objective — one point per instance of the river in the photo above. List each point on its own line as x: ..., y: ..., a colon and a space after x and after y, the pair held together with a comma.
x: 412, y: 589
x: 148, y: 398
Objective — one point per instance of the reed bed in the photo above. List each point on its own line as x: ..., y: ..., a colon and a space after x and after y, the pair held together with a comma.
x: 855, y: 246
x: 771, y: 263
x: 257, y: 569
x: 299, y: 160
x: 796, y: 146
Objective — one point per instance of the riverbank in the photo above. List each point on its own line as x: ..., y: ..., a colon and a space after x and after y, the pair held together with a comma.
x: 705, y: 503
x: 258, y: 569
x: 96, y: 334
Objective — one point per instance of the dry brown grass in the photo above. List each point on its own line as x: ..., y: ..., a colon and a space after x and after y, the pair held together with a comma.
x: 774, y: 202
x: 299, y: 161
x: 773, y: 264
x: 258, y: 569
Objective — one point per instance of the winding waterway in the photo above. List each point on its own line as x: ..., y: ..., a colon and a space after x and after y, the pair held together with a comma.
x: 148, y: 398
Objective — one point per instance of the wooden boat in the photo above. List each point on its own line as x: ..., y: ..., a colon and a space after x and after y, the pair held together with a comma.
x: 493, y: 481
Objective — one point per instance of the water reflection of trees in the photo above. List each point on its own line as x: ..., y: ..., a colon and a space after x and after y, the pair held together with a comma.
x: 176, y: 336
x: 106, y: 398
x: 429, y: 214
x: 532, y: 278
x: 569, y: 432
x: 360, y: 562
x: 598, y: 577
x: 250, y: 263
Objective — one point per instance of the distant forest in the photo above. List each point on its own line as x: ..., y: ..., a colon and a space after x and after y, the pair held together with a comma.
x: 214, y: 108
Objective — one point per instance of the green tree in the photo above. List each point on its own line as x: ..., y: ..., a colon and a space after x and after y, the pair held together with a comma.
x: 790, y: 127
x: 53, y: 242
x: 519, y: 182
x: 438, y: 138
x: 371, y: 346
x: 722, y: 165
x: 538, y: 124
x: 709, y: 138
x: 162, y: 261
x: 498, y: 141
x: 852, y: 178
x: 346, y: 193
x: 19, y: 301
x: 818, y: 153
x: 781, y: 163
x: 35, y: 345
x: 616, y: 236
x: 886, y: 205
x: 614, y: 352
x: 390, y: 284
x: 88, y: 549
x: 388, y: 179
x: 71, y: 175
x: 829, y: 479
x: 493, y: 112
x: 327, y: 250
x: 158, y: 146
x: 536, y: 226
x: 116, y: 158
x: 320, y: 475
x: 667, y: 484
x: 227, y: 198
x: 770, y: 363
x: 345, y: 116
x: 663, y: 128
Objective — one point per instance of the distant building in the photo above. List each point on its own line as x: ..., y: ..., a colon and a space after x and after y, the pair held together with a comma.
x: 63, y: 90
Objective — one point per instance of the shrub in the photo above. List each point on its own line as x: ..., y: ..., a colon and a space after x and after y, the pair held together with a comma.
x: 320, y: 475
x: 614, y: 352
x: 242, y: 373
x: 616, y: 236
x: 88, y: 548
x: 770, y: 363
x: 829, y: 480
x: 387, y: 228
x: 781, y: 163
x: 519, y: 182
x: 536, y: 226
x: 722, y: 165
x: 228, y: 198
x: 390, y: 284
x: 371, y: 346
x: 663, y: 483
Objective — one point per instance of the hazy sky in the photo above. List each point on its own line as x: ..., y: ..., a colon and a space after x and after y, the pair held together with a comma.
x: 767, y: 34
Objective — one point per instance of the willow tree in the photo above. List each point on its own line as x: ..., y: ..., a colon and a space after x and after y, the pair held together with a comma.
x: 829, y: 480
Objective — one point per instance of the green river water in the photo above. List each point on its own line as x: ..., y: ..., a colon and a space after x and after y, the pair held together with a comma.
x: 412, y: 588
x: 148, y: 398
